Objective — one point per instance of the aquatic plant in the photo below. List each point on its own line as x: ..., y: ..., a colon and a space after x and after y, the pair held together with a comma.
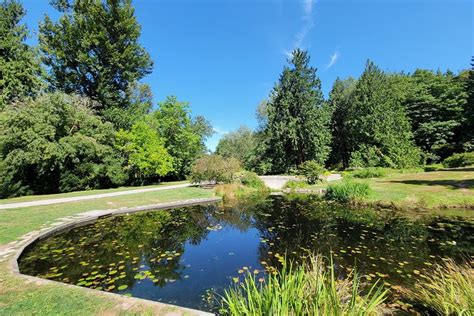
x: 449, y: 290
x: 310, y: 289
x: 347, y: 191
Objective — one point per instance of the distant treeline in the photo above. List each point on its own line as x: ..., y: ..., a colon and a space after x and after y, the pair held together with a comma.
x: 381, y: 119
x: 73, y: 113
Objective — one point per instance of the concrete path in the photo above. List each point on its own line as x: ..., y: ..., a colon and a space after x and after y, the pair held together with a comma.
x: 334, y: 177
x: 89, y: 197
x: 276, y: 182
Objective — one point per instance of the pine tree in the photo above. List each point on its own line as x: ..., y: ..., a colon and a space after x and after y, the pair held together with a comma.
x: 93, y: 50
x: 298, y: 121
x: 378, y: 125
x: 20, y: 71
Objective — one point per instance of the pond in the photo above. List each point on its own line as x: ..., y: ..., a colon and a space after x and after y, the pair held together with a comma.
x: 182, y: 256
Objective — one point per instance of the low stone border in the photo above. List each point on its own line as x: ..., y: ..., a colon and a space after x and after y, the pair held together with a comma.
x: 85, y: 218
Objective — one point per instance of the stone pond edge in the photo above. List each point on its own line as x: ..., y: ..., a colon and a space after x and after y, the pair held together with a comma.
x: 85, y: 218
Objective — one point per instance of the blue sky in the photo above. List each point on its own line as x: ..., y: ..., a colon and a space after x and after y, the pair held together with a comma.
x: 224, y: 56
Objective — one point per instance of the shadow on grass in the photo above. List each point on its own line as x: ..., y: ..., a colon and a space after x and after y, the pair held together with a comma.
x: 457, y: 169
x: 453, y: 184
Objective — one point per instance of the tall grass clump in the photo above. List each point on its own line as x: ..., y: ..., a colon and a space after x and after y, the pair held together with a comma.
x: 347, y: 191
x: 448, y: 291
x: 371, y: 172
x: 310, y: 289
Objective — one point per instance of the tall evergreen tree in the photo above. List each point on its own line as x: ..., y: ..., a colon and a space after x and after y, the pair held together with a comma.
x: 339, y: 103
x: 297, y: 129
x: 20, y: 71
x: 467, y: 129
x: 93, y: 50
x: 378, y: 125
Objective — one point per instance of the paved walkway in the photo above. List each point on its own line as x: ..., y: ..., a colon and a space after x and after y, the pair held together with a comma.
x: 276, y: 182
x: 89, y: 197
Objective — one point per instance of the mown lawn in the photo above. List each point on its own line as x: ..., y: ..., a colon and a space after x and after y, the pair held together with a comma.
x: 426, y: 189
x: 19, y: 296
x: 437, y: 189
x: 29, y: 198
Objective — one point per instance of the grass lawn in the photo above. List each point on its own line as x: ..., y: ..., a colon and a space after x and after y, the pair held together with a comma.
x: 429, y: 189
x: 29, y: 198
x: 19, y: 296
x: 437, y: 189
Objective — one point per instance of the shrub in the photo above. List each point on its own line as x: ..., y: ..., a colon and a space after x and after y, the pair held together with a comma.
x: 347, y: 191
x: 248, y: 178
x: 310, y: 289
x: 292, y: 184
x: 369, y: 173
x: 448, y: 291
x: 214, y: 169
x: 311, y: 170
x: 459, y: 160
x: 55, y: 143
x: 433, y: 167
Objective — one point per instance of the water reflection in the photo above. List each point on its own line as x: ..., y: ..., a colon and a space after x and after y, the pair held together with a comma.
x: 177, y: 255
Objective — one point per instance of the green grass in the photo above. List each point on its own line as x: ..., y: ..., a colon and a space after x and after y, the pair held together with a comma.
x: 426, y: 189
x: 417, y: 189
x: 30, y: 198
x: 16, y: 222
x: 303, y: 290
x: 19, y: 296
x: 448, y: 291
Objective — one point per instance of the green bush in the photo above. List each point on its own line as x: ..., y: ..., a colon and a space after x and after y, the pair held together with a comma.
x: 296, y: 184
x: 55, y: 143
x: 433, y: 167
x: 311, y: 170
x: 369, y: 173
x: 347, y: 191
x: 310, y: 289
x: 459, y: 160
x: 214, y: 169
x: 248, y: 178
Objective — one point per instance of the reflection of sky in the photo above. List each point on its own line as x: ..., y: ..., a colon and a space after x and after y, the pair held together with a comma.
x: 212, y: 263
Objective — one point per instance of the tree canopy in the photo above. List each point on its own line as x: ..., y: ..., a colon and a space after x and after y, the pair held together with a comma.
x: 56, y: 144
x: 93, y: 50
x: 20, y: 71
x: 298, y: 121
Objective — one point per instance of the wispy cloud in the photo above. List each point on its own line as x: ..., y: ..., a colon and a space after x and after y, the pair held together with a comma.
x: 219, y: 131
x: 307, y: 7
x: 333, y: 59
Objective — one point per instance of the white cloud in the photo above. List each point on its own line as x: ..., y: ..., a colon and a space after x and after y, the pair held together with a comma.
x: 219, y: 131
x: 308, y: 8
x: 333, y: 59
x: 308, y: 23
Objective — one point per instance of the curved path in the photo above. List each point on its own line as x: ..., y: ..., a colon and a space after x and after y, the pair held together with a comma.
x: 276, y: 182
x: 89, y: 197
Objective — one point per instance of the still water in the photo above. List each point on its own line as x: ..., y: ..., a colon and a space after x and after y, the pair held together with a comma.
x: 182, y: 256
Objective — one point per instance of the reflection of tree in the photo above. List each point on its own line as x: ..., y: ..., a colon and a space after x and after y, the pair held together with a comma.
x: 383, y: 242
